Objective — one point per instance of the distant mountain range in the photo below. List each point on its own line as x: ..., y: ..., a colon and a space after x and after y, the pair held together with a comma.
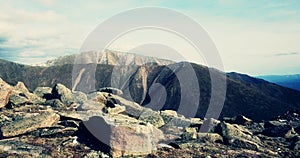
x: 255, y: 98
x: 108, y: 57
x: 290, y: 81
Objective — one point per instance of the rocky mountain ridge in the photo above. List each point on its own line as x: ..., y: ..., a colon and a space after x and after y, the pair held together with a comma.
x: 254, y: 98
x: 58, y: 122
x: 108, y: 57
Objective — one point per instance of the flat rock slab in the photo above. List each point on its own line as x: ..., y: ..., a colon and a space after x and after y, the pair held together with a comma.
x: 46, y: 119
x: 17, y: 147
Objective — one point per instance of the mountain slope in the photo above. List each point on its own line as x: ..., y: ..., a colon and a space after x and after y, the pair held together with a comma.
x: 290, y: 81
x: 252, y: 97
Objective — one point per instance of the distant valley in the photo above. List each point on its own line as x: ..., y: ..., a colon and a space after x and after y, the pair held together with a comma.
x: 290, y: 81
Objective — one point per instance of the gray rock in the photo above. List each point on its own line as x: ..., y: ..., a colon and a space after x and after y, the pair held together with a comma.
x: 16, y: 100
x: 21, y: 89
x: 210, y: 137
x: 210, y: 125
x: 125, y: 135
x: 96, y: 154
x: 111, y: 90
x: 240, y: 120
x: 28, y: 124
x: 55, y: 103
x: 21, y: 149
x: 238, y: 136
x: 4, y: 119
x: 131, y: 108
x: 171, y: 119
x: 152, y: 117
x: 189, y: 134
x: 5, y: 91
x: 43, y: 92
x: 56, y: 132
x: 278, y: 129
x: 62, y: 93
x: 79, y: 97
x: 115, y: 110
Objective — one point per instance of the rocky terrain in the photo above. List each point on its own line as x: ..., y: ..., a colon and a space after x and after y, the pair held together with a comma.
x: 57, y: 122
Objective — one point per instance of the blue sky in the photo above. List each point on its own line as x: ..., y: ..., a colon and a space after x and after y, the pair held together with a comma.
x: 255, y: 37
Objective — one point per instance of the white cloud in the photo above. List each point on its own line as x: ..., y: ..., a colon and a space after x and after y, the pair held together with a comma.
x: 49, y: 3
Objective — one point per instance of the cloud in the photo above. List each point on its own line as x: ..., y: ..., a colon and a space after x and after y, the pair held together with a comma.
x: 286, y: 54
x: 17, y: 16
x: 3, y: 40
x: 48, y: 3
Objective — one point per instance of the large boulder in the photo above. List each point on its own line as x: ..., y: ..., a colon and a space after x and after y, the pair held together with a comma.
x: 126, y: 136
x: 131, y: 108
x: 62, y: 93
x: 28, y: 124
x: 21, y: 89
x: 5, y: 90
x: 43, y: 92
x: 172, y: 119
x: 79, y: 97
x: 278, y: 129
x: 238, y: 136
x: 153, y: 117
x: 16, y: 100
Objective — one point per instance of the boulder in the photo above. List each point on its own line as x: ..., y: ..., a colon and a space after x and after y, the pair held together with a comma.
x: 62, y: 93
x: 125, y: 136
x: 28, y: 124
x: 169, y: 113
x: 52, y: 132
x: 79, y: 97
x: 189, y: 134
x: 43, y: 92
x: 16, y: 100
x: 4, y: 119
x: 244, y: 143
x: 239, y: 119
x: 55, y: 103
x: 278, y: 129
x: 238, y: 136
x: 18, y: 148
x: 111, y: 90
x: 96, y: 154
x: 210, y: 137
x: 5, y: 90
x: 91, y: 105
x: 131, y: 108
x: 153, y: 117
x: 21, y: 89
x: 171, y: 118
x: 97, y: 96
x: 210, y: 126
x: 115, y: 110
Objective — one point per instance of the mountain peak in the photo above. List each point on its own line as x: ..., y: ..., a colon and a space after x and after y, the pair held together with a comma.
x: 108, y: 57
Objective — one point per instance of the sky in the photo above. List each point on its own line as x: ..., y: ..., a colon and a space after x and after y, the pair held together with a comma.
x: 258, y: 37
